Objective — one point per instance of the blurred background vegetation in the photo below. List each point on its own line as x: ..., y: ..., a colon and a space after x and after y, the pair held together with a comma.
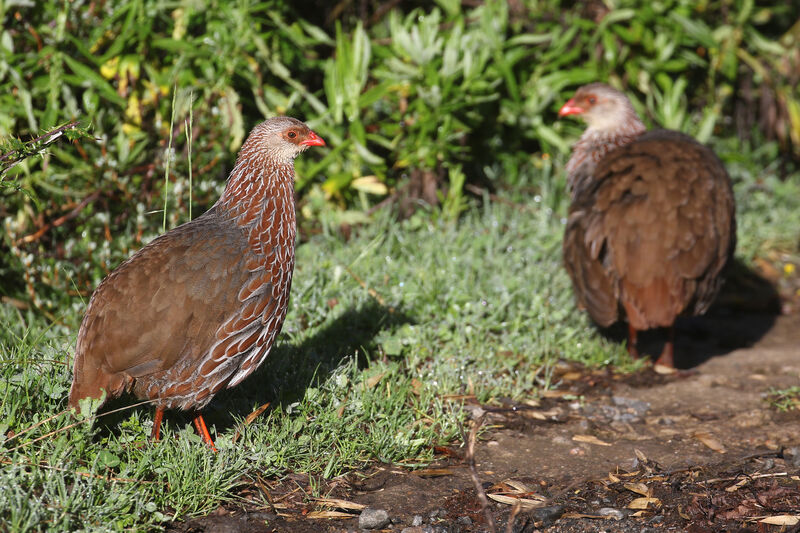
x: 423, y: 105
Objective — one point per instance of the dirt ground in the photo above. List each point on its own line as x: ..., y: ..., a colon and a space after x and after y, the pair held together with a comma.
x: 699, y: 451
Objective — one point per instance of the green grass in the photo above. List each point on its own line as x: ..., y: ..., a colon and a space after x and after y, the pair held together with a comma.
x: 381, y: 329
x: 784, y: 399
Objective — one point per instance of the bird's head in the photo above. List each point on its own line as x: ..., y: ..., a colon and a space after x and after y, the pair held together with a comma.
x: 281, y: 139
x: 600, y: 106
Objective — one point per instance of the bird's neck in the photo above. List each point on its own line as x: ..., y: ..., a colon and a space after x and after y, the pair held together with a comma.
x: 259, y: 198
x: 593, y: 146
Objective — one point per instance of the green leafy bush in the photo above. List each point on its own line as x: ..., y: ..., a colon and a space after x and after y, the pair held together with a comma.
x: 416, y: 105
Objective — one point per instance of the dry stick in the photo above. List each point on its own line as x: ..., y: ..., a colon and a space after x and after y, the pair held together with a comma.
x: 169, y: 157
x: 74, y: 424
x: 19, y: 304
x: 55, y: 134
x: 189, y: 138
x: 747, y: 477
x: 512, y: 517
x: 265, y: 492
x: 59, y: 221
x: 37, y: 424
x: 473, y: 472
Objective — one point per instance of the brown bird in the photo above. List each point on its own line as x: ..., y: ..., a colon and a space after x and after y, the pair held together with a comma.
x: 198, y: 309
x: 651, y: 221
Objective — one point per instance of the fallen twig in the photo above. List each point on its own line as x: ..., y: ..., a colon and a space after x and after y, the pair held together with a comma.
x: 473, y: 472
x: 59, y: 221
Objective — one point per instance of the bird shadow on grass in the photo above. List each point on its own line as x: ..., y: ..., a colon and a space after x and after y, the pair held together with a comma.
x: 743, y: 312
x: 290, y: 368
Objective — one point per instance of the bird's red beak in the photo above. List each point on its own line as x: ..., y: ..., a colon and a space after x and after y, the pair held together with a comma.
x: 570, y: 108
x: 312, y: 140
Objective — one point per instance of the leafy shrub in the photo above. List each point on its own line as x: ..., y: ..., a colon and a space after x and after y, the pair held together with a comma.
x: 417, y: 104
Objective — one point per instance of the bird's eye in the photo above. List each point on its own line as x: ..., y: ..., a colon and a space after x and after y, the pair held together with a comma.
x: 592, y: 100
x: 292, y: 134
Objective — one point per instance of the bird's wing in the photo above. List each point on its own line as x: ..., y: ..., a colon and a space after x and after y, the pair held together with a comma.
x: 667, y: 219
x: 166, y: 303
x: 584, y: 256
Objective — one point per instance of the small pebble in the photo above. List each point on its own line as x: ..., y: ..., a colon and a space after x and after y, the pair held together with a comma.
x: 464, y: 521
x: 437, y: 513
x: 416, y: 521
x: 794, y: 452
x: 474, y: 411
x: 373, y: 519
x: 547, y: 515
x: 610, y: 512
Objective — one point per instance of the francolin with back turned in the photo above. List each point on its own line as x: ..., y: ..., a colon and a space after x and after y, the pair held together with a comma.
x: 651, y: 221
x: 198, y: 309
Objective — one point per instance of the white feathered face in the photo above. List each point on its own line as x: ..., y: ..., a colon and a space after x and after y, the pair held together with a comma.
x: 282, y: 138
x: 600, y: 106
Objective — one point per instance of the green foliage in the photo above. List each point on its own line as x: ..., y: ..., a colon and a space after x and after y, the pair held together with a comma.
x: 449, y: 95
x: 784, y: 399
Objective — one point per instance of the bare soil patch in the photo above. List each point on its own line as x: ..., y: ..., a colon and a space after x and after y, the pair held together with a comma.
x: 699, y: 451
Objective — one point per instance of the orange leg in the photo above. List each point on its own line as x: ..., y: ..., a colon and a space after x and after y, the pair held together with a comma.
x: 202, y: 430
x: 666, y: 358
x: 632, y: 351
x: 159, y: 416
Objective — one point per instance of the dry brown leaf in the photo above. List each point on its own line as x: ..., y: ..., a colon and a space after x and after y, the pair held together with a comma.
x: 555, y: 393
x: 613, y: 478
x: 255, y: 414
x: 526, y: 504
x: 640, y: 455
x: 536, y: 415
x: 710, y: 441
x: 571, y: 376
x: 737, y: 486
x: 590, y: 439
x: 551, y: 414
x: 582, y: 515
x: 639, y: 488
x: 664, y: 370
x: 249, y: 419
x: 320, y: 515
x: 339, y: 504
x: 434, y: 472
x: 374, y: 380
x: 517, y: 485
x: 769, y: 271
x: 644, y: 503
x: 781, y: 520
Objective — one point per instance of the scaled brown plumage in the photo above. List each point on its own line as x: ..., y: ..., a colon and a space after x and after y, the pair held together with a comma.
x: 198, y: 309
x: 651, y: 222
